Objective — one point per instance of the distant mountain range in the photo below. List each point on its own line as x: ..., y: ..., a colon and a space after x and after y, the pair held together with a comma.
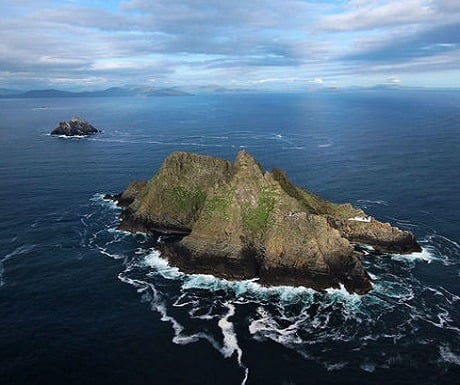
x: 190, y: 90
x: 112, y: 92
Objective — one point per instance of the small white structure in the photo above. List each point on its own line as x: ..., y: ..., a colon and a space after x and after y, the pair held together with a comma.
x: 361, y: 219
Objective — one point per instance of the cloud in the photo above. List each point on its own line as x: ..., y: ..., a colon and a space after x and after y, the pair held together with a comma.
x: 447, y: 5
x: 393, y: 80
x: 430, y: 42
x: 372, y: 14
x: 318, y: 81
x: 199, y: 41
x: 196, y: 15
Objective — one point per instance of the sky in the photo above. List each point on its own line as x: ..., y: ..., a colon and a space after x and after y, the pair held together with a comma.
x: 251, y: 44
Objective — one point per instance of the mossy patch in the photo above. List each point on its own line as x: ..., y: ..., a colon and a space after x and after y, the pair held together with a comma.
x: 256, y: 219
x: 186, y: 200
x: 218, y: 205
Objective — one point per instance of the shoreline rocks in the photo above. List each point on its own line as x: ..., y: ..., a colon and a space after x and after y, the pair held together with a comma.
x: 74, y: 127
x: 235, y: 221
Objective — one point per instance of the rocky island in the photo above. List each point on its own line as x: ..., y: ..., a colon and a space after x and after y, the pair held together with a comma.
x: 74, y: 127
x: 235, y: 221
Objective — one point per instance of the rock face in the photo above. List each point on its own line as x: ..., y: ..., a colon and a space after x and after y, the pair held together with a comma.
x: 74, y: 127
x: 235, y: 221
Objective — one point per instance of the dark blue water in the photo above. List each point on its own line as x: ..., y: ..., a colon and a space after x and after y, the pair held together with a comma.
x: 81, y: 303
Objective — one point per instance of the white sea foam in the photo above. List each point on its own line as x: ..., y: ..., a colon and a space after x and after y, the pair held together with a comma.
x: 103, y: 250
x: 161, y: 143
x: 99, y: 198
x: 426, y: 255
x: 297, y: 318
x: 334, y: 366
x: 441, y: 320
x: 21, y: 250
x: 282, y: 138
x: 404, y: 223
x: 266, y: 326
x: 373, y: 276
x: 368, y: 367
x: 447, y: 355
x: 158, y: 304
x: 340, y: 291
x: 446, y: 250
x: 230, y: 339
x: 246, y: 288
x: 456, y: 244
x: 209, y: 282
x: 70, y: 137
x: 373, y: 202
x: 393, y: 290
x: 153, y: 259
x: 293, y: 148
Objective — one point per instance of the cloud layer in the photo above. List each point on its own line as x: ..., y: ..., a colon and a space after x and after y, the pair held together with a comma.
x: 292, y: 43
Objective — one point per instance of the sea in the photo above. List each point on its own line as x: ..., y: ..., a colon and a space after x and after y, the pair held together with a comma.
x: 84, y: 303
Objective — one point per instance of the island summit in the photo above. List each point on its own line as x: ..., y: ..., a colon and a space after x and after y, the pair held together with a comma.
x: 235, y: 221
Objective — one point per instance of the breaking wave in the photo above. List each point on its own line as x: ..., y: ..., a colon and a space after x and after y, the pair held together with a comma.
x: 401, y: 311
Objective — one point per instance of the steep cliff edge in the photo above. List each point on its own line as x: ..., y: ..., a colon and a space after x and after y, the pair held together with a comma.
x: 238, y: 222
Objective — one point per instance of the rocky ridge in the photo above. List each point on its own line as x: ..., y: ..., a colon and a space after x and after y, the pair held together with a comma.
x: 235, y: 221
x: 74, y: 127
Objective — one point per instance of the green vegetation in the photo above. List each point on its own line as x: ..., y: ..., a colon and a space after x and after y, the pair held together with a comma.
x: 187, y: 200
x: 219, y: 205
x: 256, y: 218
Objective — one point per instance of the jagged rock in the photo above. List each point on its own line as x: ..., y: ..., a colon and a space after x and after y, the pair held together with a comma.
x: 238, y: 222
x: 74, y: 127
x: 382, y: 236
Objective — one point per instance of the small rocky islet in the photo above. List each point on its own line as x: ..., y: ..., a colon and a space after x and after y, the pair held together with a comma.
x: 235, y: 221
x: 75, y: 127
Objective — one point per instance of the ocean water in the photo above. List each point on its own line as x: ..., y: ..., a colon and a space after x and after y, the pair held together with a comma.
x: 83, y: 303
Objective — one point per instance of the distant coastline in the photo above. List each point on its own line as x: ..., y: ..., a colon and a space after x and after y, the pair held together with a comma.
x: 109, y: 92
x: 142, y: 91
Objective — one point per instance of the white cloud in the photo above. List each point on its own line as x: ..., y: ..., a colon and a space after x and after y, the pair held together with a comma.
x: 393, y: 80
x: 260, y: 42
x: 370, y: 14
x: 277, y: 80
x: 316, y: 81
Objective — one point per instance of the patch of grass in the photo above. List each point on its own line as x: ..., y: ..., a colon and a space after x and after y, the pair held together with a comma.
x: 218, y: 205
x: 256, y: 219
x: 187, y: 200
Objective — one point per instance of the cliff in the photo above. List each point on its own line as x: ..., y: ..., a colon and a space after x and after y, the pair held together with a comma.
x: 234, y: 220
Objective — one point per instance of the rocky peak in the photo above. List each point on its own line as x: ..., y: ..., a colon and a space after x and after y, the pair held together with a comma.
x: 195, y: 169
x: 74, y: 127
x: 77, y: 119
x: 246, y: 163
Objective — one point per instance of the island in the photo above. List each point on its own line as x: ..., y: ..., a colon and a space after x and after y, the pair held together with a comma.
x: 74, y: 127
x: 236, y: 221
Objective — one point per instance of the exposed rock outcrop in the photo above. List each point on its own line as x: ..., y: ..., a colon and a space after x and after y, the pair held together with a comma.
x: 74, y: 127
x: 238, y: 222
